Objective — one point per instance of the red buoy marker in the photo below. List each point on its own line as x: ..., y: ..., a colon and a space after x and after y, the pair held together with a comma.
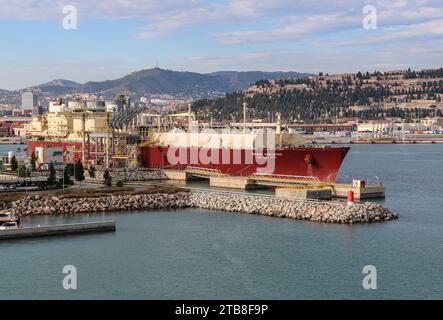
x: 350, y: 198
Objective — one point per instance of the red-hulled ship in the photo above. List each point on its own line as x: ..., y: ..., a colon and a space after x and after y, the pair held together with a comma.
x: 238, y: 155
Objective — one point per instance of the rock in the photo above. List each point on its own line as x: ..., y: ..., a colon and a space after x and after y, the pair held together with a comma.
x: 328, y: 212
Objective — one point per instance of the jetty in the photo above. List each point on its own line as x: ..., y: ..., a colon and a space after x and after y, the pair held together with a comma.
x: 58, y: 230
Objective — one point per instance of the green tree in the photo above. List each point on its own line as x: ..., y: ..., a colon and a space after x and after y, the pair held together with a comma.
x: 120, y: 184
x: 52, y: 179
x: 107, y: 178
x: 14, y: 164
x: 33, y: 161
x: 91, y: 172
x: 66, y: 177
x: 70, y: 168
x: 79, y: 172
x: 23, y: 172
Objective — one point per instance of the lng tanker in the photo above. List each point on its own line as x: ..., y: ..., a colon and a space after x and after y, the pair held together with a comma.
x: 88, y: 136
x: 242, y: 153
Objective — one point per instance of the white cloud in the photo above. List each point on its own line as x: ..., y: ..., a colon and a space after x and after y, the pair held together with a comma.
x: 288, y: 19
x: 410, y: 34
x: 420, y: 31
x: 389, y: 57
x: 294, y: 30
x: 390, y: 14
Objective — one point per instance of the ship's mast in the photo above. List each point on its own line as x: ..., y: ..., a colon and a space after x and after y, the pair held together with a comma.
x: 107, y: 140
x: 245, y: 107
x: 83, y: 130
x: 189, y: 117
x: 278, y: 127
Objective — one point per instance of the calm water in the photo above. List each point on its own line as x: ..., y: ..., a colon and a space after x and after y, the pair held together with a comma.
x: 5, y: 148
x: 196, y: 254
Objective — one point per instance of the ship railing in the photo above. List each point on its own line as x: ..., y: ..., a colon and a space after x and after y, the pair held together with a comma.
x: 308, y: 180
x: 148, y: 143
x: 204, y: 171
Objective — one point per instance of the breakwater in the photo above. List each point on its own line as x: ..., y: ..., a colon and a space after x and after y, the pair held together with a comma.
x: 127, y: 175
x: 329, y: 212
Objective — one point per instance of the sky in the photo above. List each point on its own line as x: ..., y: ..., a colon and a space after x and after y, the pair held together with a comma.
x: 41, y: 40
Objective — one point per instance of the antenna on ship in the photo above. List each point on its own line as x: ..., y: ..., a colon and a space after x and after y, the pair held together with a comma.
x: 189, y: 116
x: 107, y: 140
x: 278, y: 127
x: 83, y: 105
x: 245, y: 107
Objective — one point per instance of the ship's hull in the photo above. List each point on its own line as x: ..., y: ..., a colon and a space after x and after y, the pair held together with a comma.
x: 321, y: 162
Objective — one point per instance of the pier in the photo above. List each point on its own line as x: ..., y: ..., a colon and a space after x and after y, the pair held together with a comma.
x: 285, y: 186
x: 58, y: 230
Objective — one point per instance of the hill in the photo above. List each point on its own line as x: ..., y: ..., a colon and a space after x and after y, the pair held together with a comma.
x: 160, y: 81
x: 56, y: 87
x: 378, y: 95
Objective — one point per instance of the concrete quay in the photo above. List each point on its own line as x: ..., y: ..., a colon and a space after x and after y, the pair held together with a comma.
x: 284, y: 188
x: 58, y: 230
x: 304, y: 193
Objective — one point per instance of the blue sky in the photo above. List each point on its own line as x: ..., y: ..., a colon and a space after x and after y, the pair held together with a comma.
x: 115, y: 38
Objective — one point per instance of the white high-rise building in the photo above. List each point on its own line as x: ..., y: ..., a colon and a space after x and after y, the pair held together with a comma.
x: 29, y: 101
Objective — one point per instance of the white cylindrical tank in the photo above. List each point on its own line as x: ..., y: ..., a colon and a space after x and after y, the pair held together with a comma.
x: 74, y: 105
x: 144, y: 120
x: 56, y: 107
x: 111, y: 107
x: 90, y: 104
x: 10, y: 155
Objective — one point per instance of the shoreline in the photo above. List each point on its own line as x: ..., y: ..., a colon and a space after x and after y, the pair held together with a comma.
x: 327, y: 212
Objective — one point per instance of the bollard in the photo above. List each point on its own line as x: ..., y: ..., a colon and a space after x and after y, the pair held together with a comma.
x: 350, y: 198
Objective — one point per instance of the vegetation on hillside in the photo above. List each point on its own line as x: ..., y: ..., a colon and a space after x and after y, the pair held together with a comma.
x: 316, y: 98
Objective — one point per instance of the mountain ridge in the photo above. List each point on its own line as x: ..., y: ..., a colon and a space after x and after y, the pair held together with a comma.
x: 161, y: 81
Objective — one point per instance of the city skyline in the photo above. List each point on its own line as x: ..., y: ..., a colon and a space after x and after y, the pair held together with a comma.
x: 115, y: 38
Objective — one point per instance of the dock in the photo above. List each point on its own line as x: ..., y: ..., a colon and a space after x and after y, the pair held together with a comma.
x: 299, y: 187
x: 58, y: 230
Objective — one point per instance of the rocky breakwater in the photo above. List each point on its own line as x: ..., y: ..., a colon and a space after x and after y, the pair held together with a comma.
x: 36, y: 205
x: 330, y: 212
x: 127, y: 175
